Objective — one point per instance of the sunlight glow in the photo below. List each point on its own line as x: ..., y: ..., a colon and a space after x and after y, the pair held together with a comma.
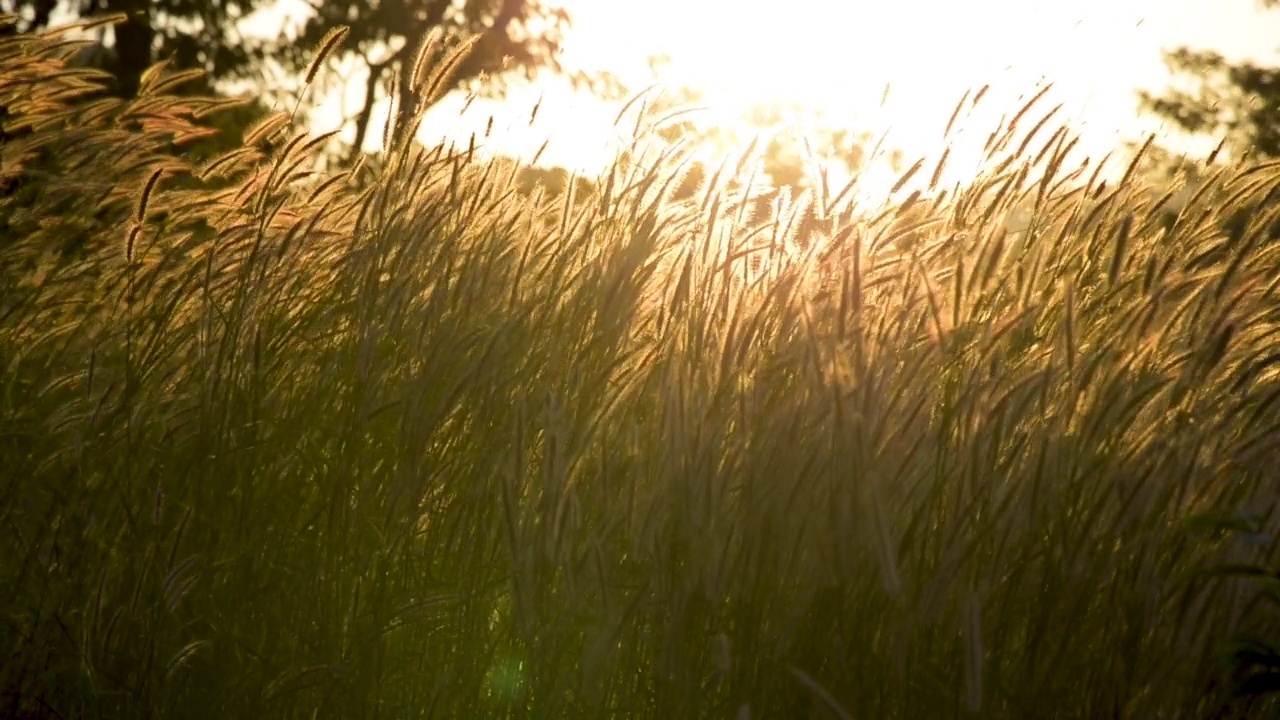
x: 841, y: 56
x: 838, y: 56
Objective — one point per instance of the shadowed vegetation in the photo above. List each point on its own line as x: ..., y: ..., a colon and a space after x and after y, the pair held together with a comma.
x: 414, y: 441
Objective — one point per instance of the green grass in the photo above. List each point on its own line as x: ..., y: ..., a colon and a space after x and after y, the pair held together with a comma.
x: 418, y: 444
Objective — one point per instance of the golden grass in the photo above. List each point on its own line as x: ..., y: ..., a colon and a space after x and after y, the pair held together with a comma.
x: 407, y: 441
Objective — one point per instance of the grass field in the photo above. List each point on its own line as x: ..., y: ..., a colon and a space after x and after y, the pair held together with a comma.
x: 415, y: 444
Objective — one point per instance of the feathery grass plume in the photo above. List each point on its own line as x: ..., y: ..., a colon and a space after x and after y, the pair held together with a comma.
x: 1250, y: 190
x: 388, y: 123
x: 266, y: 129
x: 129, y: 246
x: 1213, y: 156
x: 1055, y: 145
x: 1122, y: 242
x: 88, y: 24
x: 1009, y: 184
x: 1051, y: 181
x: 994, y: 249
x: 1137, y: 159
x: 533, y: 114
x: 1000, y: 137
x: 162, y: 84
x: 937, y: 170
x: 906, y: 176
x: 149, y: 78
x: 426, y: 53
x: 208, y: 107
x: 441, y: 77
x: 145, y: 197
x: 1159, y: 206
x: 955, y: 114
x: 329, y: 185
x: 1026, y: 107
x: 228, y: 163
x: 666, y: 119
x: 312, y: 145
x: 639, y: 97
x: 1035, y: 130
x: 1212, y: 184
x: 982, y: 91
x: 1241, y: 242
x: 327, y: 45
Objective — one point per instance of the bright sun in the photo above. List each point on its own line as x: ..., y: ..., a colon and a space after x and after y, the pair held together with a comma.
x: 838, y: 56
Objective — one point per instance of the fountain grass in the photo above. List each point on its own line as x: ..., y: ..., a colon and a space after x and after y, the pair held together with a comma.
x: 408, y: 442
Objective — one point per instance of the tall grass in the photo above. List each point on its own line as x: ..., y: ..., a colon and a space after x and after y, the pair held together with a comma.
x: 415, y: 444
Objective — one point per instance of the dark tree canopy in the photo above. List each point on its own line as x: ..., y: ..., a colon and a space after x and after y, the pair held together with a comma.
x: 513, y: 38
x: 1238, y: 102
x: 189, y: 33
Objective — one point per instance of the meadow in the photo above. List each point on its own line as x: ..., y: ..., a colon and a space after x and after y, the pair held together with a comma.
x: 403, y: 441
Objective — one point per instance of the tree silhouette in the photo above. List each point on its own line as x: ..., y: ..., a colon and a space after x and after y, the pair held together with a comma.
x: 1238, y: 102
x: 512, y: 38
x: 188, y: 33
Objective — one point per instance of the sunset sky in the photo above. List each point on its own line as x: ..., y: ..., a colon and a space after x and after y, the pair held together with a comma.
x: 837, y: 56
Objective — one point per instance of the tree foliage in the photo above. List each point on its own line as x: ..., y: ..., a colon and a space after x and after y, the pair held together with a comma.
x: 511, y: 39
x: 188, y: 33
x: 1239, y: 102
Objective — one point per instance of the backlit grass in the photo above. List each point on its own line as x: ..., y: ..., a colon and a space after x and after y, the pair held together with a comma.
x: 413, y: 443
